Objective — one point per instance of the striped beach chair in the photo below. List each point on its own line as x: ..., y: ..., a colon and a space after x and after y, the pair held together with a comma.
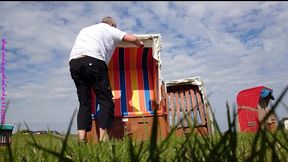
x: 134, y: 75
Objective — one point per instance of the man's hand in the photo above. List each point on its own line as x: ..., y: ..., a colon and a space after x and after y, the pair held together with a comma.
x: 141, y: 44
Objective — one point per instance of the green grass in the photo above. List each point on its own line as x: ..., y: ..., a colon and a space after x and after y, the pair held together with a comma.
x: 228, y: 146
x: 193, y: 148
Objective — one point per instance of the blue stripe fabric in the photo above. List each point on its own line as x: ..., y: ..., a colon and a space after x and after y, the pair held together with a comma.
x: 145, y: 78
x: 97, y: 109
x: 122, y: 82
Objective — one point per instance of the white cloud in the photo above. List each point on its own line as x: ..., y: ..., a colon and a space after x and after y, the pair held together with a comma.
x: 230, y: 45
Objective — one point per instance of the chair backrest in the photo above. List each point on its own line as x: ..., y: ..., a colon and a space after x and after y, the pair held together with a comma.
x: 134, y: 81
x: 134, y: 78
x: 186, y: 101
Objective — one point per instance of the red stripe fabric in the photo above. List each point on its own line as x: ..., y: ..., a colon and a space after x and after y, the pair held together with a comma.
x: 134, y: 82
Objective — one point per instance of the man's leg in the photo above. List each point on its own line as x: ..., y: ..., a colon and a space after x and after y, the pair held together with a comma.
x: 84, y: 119
x: 104, y: 97
x: 106, y: 115
x: 82, y: 135
x: 84, y: 122
x: 103, y: 134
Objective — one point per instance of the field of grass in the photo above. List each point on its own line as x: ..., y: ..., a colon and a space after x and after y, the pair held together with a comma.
x: 228, y: 146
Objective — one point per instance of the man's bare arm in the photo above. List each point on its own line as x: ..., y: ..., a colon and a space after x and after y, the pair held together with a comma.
x: 130, y: 38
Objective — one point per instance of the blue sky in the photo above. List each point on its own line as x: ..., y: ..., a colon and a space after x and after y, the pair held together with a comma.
x: 230, y: 45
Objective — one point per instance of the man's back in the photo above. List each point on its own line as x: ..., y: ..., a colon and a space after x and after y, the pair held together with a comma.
x: 97, y: 41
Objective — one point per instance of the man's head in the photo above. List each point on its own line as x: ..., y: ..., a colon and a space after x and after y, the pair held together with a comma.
x: 109, y: 20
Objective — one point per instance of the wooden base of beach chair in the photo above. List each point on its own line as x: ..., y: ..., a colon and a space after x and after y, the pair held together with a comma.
x: 137, y: 128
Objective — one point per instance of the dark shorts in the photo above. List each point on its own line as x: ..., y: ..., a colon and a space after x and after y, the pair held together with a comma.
x: 90, y: 73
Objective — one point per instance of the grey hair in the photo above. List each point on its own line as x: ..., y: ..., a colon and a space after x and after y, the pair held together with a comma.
x: 109, y: 20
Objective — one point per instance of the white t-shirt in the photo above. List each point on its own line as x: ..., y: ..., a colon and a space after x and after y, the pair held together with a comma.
x: 97, y: 41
